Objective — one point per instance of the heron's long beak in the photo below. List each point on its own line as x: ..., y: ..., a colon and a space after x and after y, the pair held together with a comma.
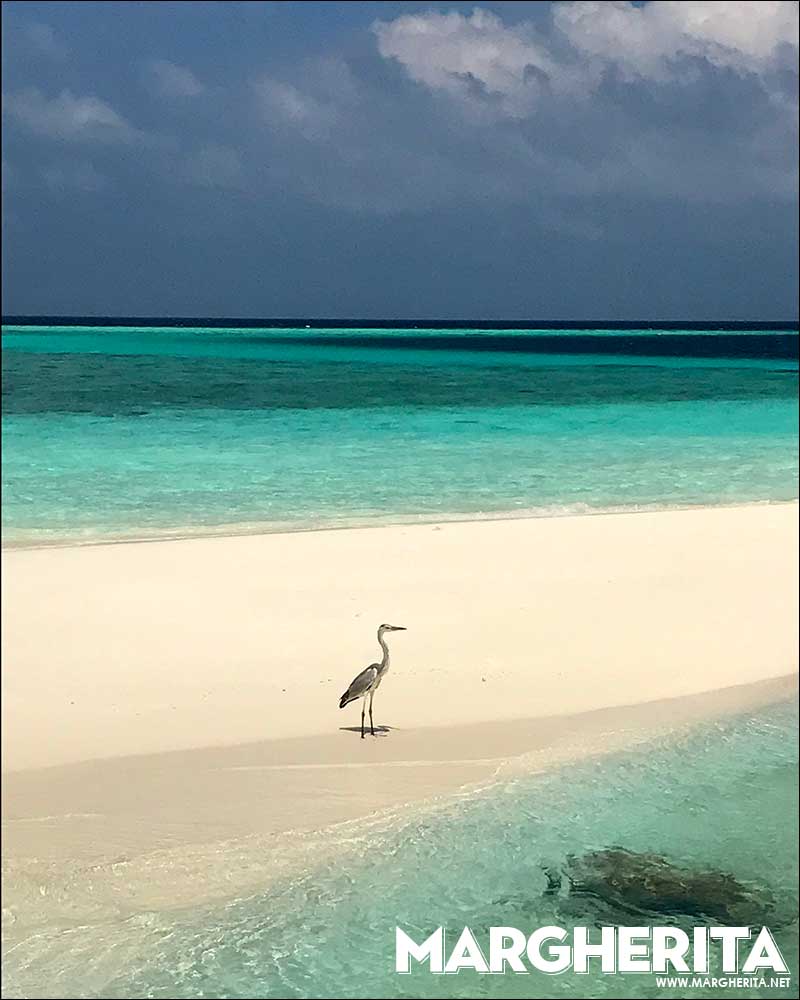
x: 399, y: 628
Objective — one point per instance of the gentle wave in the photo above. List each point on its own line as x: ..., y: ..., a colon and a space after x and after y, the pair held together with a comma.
x: 39, y: 540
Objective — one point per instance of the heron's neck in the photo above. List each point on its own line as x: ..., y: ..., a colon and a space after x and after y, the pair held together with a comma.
x: 385, y: 648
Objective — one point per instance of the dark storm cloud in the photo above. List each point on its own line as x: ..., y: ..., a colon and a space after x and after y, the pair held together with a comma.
x: 410, y: 159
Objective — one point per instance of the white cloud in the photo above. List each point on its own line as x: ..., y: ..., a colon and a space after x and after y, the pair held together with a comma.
x: 215, y: 166
x: 745, y: 35
x: 69, y: 117
x: 317, y: 109
x: 459, y: 54
x: 284, y: 104
x: 167, y: 79
x: 485, y: 62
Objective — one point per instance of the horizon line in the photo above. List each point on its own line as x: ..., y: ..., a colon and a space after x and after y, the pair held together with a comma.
x: 42, y: 319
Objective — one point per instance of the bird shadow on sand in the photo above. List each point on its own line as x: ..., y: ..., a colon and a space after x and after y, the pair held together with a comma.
x: 379, y: 730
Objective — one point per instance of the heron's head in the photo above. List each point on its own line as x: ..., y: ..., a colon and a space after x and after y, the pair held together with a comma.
x: 391, y: 628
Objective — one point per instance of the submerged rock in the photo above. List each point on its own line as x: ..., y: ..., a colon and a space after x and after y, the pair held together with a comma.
x: 650, y: 884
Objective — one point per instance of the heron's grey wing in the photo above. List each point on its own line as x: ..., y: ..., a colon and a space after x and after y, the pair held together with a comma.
x: 360, y: 685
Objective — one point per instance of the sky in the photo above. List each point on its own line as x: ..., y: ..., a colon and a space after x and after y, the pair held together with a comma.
x: 518, y: 160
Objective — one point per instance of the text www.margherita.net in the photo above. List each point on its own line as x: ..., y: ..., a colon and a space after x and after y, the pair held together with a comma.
x: 723, y: 982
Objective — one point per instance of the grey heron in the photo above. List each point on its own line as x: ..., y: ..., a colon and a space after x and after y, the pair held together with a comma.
x: 369, y: 680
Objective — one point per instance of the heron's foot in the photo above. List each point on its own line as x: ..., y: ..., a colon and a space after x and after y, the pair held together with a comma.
x: 372, y: 731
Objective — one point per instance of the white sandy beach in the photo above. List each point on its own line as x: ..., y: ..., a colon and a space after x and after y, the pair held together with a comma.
x: 139, y: 648
x: 523, y: 637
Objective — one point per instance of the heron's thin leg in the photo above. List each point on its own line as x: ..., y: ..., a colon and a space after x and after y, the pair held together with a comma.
x: 371, y: 724
x: 363, y: 709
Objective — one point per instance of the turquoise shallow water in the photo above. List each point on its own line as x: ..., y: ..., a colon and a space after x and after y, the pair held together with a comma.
x: 131, y: 432
x: 720, y: 796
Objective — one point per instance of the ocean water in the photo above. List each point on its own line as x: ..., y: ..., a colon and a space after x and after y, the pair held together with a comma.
x: 721, y: 796
x: 130, y: 432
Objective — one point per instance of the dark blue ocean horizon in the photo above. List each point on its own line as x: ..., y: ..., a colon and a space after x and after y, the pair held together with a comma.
x: 398, y: 323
